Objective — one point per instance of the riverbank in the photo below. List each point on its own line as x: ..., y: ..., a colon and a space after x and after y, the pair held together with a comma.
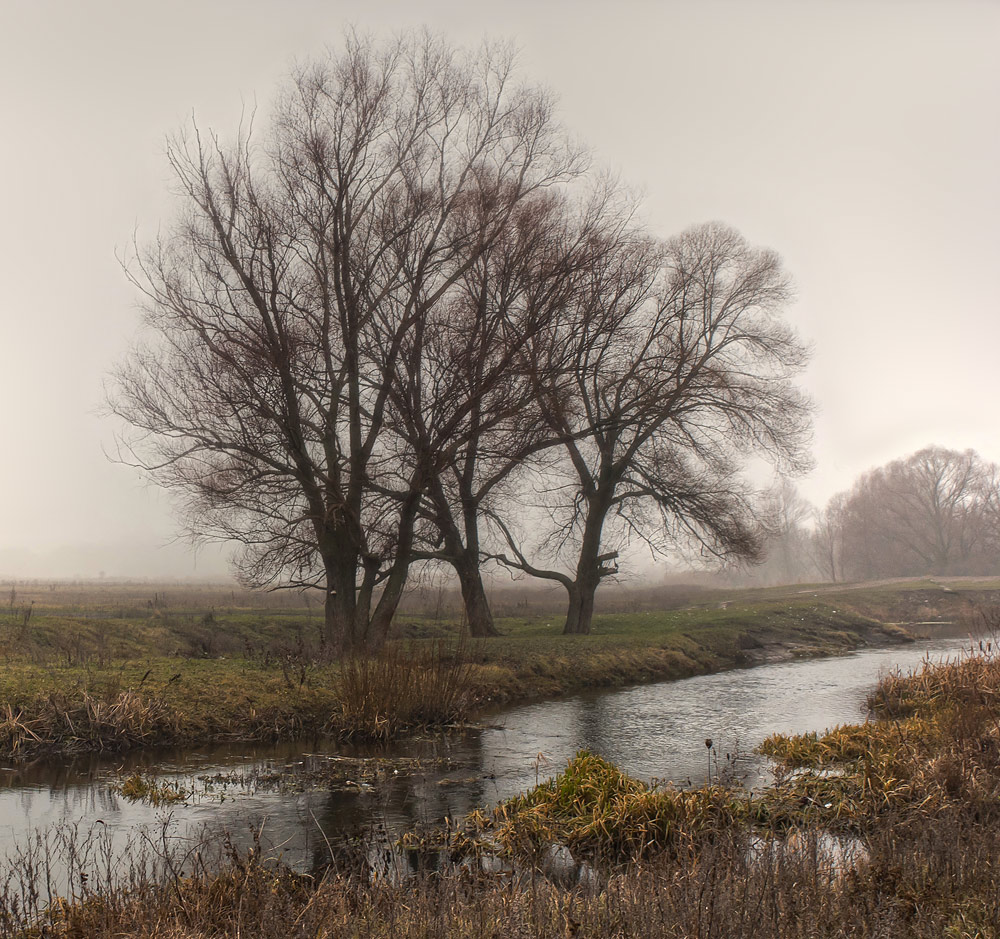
x: 94, y: 682
x: 887, y: 828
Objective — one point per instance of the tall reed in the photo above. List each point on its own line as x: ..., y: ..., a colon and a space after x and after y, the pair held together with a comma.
x: 936, y: 882
x: 86, y: 723
x: 403, y: 686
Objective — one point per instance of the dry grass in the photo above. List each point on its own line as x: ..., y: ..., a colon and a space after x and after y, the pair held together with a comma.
x: 937, y: 882
x: 917, y: 788
x: 139, y: 788
x: 598, y: 811
x: 86, y: 723
x: 933, y: 747
x: 401, y: 689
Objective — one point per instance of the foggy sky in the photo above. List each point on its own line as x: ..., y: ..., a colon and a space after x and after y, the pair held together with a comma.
x: 858, y: 139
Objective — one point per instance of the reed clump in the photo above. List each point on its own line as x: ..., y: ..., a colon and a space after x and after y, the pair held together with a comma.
x: 137, y: 787
x: 86, y: 723
x: 403, y: 687
x: 596, y: 810
x: 932, y: 746
x: 971, y: 681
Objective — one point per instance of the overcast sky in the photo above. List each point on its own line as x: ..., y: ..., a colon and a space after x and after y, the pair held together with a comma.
x: 861, y: 140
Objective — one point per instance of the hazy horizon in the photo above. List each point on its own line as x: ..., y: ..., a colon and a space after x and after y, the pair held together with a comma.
x: 859, y: 140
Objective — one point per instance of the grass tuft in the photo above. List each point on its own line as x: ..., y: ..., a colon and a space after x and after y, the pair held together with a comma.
x: 86, y: 723
x: 402, y: 688
x: 595, y: 809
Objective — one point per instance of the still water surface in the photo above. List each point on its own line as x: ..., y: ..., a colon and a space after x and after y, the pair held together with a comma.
x: 653, y: 731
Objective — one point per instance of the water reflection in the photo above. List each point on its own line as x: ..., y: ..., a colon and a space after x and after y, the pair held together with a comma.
x: 659, y: 731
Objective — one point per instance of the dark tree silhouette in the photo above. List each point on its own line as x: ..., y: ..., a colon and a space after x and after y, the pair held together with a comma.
x: 298, y: 303
x: 681, y: 368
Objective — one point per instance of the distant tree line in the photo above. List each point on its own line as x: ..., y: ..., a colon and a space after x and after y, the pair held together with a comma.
x: 408, y: 324
x: 936, y: 511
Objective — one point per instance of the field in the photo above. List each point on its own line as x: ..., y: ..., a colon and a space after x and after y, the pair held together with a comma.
x: 113, y: 666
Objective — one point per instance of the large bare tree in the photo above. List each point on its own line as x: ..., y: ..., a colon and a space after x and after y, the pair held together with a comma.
x: 298, y: 304
x: 681, y: 369
x: 514, y: 323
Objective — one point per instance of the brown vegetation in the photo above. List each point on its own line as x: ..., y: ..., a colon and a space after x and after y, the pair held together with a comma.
x: 707, y: 863
x: 402, y: 689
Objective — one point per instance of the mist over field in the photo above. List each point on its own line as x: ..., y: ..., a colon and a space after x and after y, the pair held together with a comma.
x: 851, y: 139
x: 487, y: 470
x: 122, y: 560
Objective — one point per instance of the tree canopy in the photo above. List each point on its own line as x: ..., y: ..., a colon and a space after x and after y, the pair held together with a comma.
x: 374, y: 325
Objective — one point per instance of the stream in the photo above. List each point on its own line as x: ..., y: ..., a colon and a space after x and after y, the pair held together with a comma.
x: 283, y: 793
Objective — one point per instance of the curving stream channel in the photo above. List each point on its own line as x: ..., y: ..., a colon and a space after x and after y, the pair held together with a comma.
x: 651, y: 731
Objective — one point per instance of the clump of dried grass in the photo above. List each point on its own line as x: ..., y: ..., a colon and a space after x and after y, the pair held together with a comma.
x: 86, y: 723
x: 137, y: 787
x: 595, y: 809
x: 402, y: 687
x: 934, y: 745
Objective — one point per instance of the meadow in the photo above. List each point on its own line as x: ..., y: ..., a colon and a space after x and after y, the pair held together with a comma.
x: 106, y: 667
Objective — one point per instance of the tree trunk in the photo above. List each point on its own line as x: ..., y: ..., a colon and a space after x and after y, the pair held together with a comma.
x: 340, y: 602
x: 590, y: 567
x: 580, y: 614
x: 379, y: 622
x: 331, y: 617
x: 463, y: 555
x: 477, y: 607
x: 572, y: 625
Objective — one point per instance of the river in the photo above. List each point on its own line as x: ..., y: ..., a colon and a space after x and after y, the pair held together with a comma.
x: 655, y: 731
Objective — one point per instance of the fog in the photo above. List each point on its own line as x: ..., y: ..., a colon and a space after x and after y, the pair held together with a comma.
x: 859, y: 140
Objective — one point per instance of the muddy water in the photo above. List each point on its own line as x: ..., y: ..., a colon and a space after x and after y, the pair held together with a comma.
x: 651, y: 731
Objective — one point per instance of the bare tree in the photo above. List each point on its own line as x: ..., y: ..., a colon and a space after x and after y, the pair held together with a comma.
x: 680, y: 369
x: 296, y: 303
x: 509, y: 328
x: 477, y: 386
x: 827, y: 539
x: 930, y: 512
x: 787, y: 547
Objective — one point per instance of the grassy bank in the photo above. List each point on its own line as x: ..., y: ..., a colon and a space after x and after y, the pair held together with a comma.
x: 917, y: 789
x: 110, y: 673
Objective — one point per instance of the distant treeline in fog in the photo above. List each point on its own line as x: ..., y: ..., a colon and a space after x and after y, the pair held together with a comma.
x: 936, y: 511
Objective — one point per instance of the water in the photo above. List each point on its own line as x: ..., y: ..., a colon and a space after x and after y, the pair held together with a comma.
x: 653, y: 731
